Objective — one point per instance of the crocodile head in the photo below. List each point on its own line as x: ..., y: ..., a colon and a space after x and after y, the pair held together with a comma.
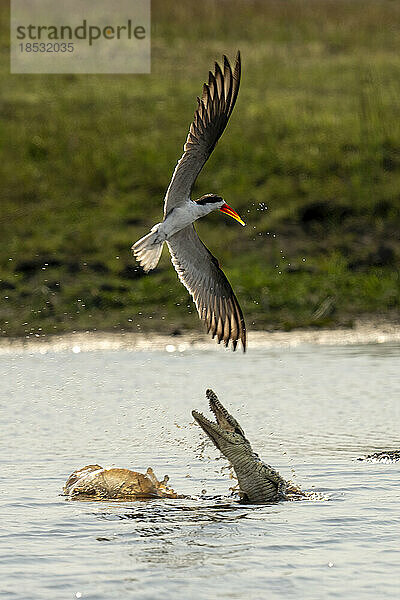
x: 258, y: 482
x: 225, y: 433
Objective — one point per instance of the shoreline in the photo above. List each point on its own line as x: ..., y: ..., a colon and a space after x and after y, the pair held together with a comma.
x: 364, y: 332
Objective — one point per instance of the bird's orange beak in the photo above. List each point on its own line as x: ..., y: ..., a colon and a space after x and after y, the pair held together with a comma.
x: 228, y: 210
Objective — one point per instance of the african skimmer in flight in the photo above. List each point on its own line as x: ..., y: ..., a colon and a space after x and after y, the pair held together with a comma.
x: 197, y: 268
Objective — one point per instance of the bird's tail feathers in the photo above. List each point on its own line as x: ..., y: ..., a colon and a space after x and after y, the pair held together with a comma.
x: 147, y: 250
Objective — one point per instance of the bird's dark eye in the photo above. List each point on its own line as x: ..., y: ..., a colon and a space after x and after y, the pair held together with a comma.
x: 209, y: 199
x: 237, y: 430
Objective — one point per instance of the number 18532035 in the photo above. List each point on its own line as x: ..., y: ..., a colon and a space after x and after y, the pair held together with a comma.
x: 46, y: 47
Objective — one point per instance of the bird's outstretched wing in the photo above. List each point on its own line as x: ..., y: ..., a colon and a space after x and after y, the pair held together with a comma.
x: 212, y: 293
x: 214, y: 109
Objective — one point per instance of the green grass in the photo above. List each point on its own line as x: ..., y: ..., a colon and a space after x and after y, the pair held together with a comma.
x: 315, y: 138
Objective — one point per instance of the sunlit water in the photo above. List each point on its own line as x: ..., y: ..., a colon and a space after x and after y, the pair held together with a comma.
x: 309, y: 411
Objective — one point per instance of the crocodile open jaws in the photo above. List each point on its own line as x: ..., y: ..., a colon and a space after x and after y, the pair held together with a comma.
x: 259, y: 483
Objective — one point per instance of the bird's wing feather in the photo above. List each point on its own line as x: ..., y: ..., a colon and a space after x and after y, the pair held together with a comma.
x: 212, y: 293
x: 214, y: 109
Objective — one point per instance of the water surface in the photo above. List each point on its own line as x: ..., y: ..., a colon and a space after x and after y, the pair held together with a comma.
x: 308, y: 411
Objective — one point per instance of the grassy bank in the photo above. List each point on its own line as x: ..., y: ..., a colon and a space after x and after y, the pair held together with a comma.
x: 311, y: 159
